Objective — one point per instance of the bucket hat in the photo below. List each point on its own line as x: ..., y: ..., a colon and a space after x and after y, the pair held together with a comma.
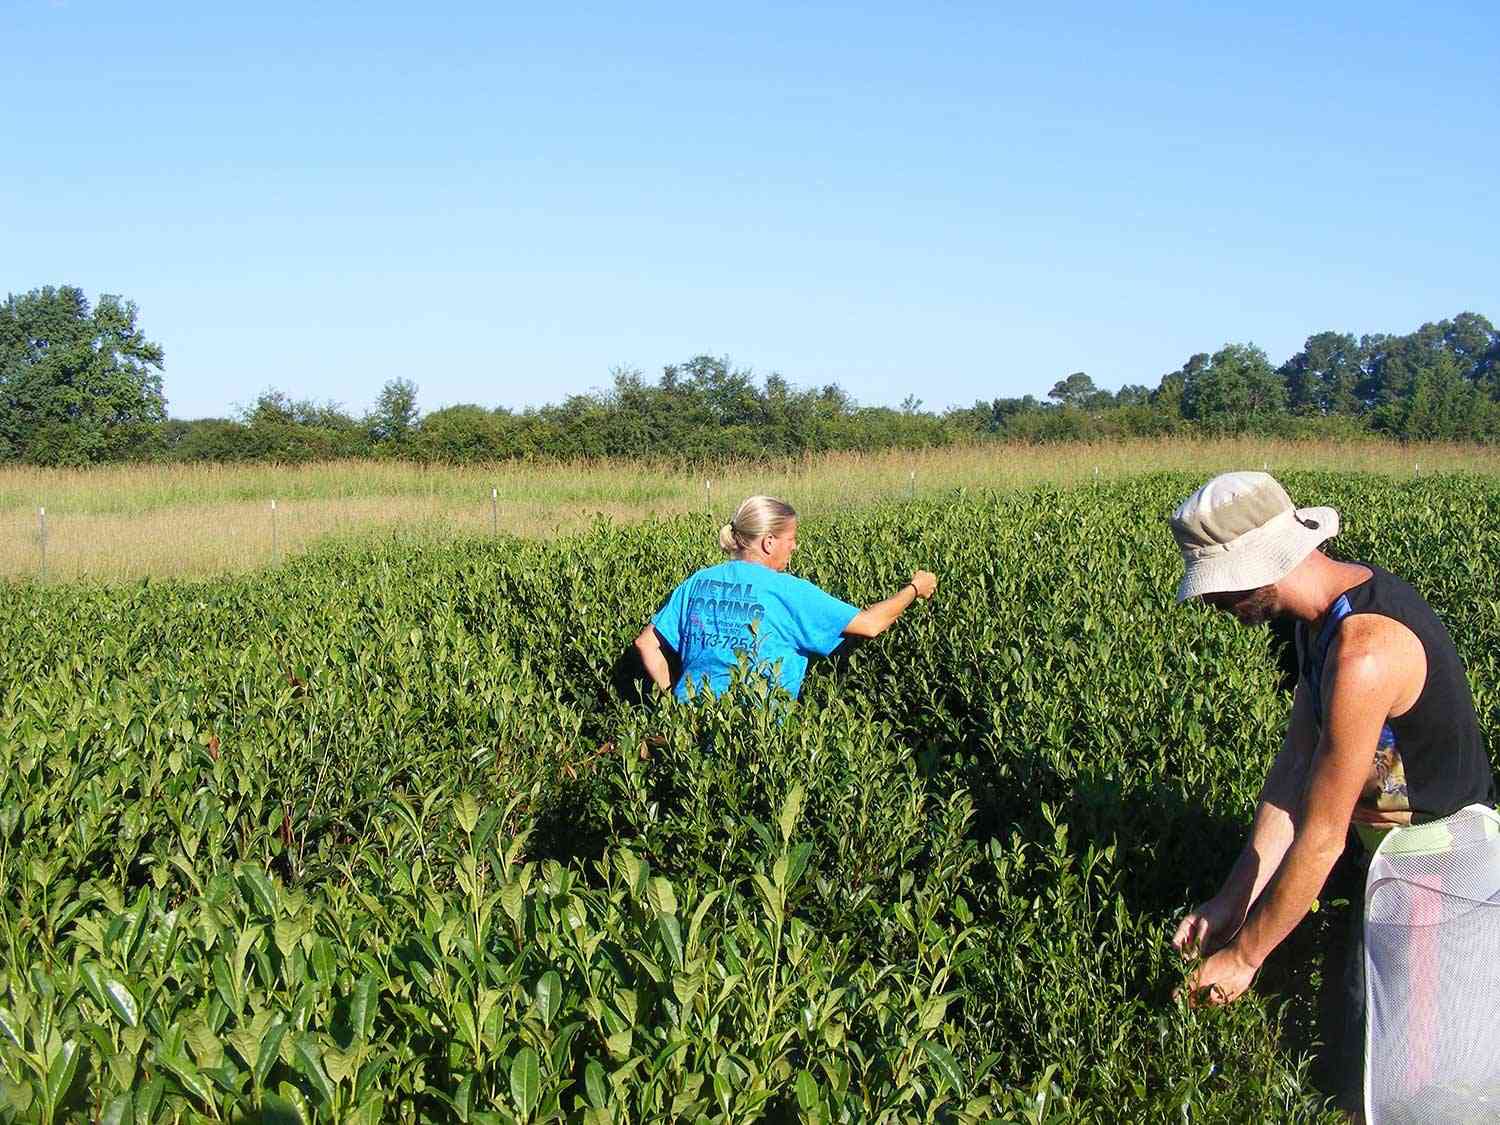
x: 1240, y: 531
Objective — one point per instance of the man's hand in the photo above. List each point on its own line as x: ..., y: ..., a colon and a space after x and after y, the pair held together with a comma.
x: 1222, y: 979
x: 925, y: 582
x: 1209, y: 927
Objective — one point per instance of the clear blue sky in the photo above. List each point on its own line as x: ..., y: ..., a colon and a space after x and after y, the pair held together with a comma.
x: 502, y: 202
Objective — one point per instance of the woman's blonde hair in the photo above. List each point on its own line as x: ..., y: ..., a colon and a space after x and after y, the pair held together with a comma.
x: 757, y: 516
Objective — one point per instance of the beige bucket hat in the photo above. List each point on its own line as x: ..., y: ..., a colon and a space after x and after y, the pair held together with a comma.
x: 1240, y: 531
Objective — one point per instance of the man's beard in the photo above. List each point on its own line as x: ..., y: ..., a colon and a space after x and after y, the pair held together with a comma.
x: 1256, y: 608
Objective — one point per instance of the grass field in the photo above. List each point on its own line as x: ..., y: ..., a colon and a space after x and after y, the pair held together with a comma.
x: 199, y: 520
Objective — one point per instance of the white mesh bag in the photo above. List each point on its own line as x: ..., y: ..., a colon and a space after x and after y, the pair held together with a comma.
x: 1432, y: 972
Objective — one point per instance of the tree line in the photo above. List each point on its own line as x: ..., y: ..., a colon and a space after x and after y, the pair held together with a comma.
x: 81, y: 384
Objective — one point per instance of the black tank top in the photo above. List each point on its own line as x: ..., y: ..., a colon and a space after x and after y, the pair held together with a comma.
x: 1431, y: 761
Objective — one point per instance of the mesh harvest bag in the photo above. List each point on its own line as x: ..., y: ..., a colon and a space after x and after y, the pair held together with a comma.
x: 1432, y: 972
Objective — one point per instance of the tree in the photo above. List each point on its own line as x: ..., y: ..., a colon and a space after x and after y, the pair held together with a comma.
x: 76, y: 385
x: 1472, y: 341
x: 730, y: 395
x: 395, y: 414
x: 1442, y: 405
x: 271, y: 408
x: 1236, y: 383
x: 462, y: 433
x: 1325, y: 376
x: 1168, y: 394
x: 1074, y: 390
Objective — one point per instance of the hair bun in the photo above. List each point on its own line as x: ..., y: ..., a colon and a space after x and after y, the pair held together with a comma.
x: 727, y: 541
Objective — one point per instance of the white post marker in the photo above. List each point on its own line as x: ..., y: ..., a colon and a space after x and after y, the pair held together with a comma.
x: 495, y: 512
x: 41, y: 523
x: 911, y: 484
x: 708, y: 491
x: 275, y: 546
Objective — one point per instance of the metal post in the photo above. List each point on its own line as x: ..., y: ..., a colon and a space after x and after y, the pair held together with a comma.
x: 275, y: 546
x: 708, y: 490
x: 911, y: 485
x: 41, y: 523
x: 495, y: 512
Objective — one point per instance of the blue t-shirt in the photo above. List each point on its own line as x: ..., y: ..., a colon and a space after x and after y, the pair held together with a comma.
x: 777, y: 620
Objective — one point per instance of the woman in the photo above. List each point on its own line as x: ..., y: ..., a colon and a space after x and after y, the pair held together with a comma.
x: 750, y: 605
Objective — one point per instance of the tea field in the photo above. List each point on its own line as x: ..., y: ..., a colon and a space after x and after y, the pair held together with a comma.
x: 384, y: 834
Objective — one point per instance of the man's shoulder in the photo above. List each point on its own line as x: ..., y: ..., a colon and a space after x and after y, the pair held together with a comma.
x: 1365, y: 632
x: 1372, y: 648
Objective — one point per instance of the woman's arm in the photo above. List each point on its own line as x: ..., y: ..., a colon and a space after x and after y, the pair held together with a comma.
x: 653, y: 658
x: 876, y: 619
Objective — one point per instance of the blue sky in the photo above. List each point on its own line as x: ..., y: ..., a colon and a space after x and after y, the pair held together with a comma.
x: 502, y: 203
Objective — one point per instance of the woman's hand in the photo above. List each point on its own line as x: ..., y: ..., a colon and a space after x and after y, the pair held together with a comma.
x: 876, y: 619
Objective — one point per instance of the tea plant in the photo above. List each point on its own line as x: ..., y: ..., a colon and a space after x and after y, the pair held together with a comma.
x: 382, y: 835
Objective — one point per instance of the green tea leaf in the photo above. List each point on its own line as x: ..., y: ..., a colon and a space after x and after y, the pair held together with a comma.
x: 276, y: 1110
x: 340, y: 1065
x: 61, y: 1070
x: 122, y: 1002
x: 548, y: 996
x: 932, y: 1011
x: 513, y: 900
x: 671, y: 936
x: 286, y: 934
x: 93, y: 981
x: 466, y: 812
x: 322, y: 959
x: 661, y: 896
x: 364, y: 1003
x: 246, y: 1044
x: 148, y: 1097
x: 308, y: 1057
x: 944, y: 1064
x: 807, y: 1091
x: 119, y: 1111
x: 260, y: 892
x: 187, y: 1076
x: 596, y: 1084
x: 525, y: 1081
x: 791, y: 809
x: 769, y: 895
x: 270, y: 1051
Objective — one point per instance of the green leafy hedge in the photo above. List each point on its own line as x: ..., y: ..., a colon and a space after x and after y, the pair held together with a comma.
x: 384, y: 835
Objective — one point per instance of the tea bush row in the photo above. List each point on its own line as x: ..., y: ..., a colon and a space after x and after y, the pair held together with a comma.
x: 384, y: 835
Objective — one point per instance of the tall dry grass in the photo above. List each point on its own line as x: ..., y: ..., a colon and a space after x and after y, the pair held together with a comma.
x: 134, y: 521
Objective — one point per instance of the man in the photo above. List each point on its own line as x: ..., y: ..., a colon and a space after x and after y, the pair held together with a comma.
x: 1383, y: 731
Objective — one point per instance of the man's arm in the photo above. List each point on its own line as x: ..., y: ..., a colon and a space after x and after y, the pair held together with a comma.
x: 1212, y: 924
x: 1368, y: 671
